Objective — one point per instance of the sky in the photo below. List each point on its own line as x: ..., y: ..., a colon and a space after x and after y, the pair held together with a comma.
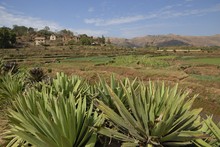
x: 115, y: 18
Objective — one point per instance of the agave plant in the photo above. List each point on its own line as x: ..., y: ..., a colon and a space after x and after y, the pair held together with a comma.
x: 10, y: 67
x: 36, y: 75
x: 213, y: 130
x: 62, y: 85
x: 40, y: 119
x: 11, y: 86
x: 103, y: 94
x: 157, y: 116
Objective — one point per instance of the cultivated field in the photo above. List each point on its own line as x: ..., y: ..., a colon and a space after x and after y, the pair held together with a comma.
x: 196, y: 71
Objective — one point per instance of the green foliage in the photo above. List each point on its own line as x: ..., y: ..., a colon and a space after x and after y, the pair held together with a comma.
x: 36, y: 75
x: 49, y: 70
x: 213, y: 130
x: 206, y: 77
x: 85, y: 40
x: 157, y: 115
x: 11, y: 86
x: 141, y: 60
x: 210, y: 61
x: 44, y: 32
x: 62, y: 85
x: 100, y: 40
x: 20, y: 30
x: 61, y: 113
x: 43, y: 118
x: 104, y: 95
x: 71, y: 42
x: 7, y: 37
x: 9, y: 67
x: 66, y: 32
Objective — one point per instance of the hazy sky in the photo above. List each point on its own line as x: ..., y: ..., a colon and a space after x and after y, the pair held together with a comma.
x: 115, y: 18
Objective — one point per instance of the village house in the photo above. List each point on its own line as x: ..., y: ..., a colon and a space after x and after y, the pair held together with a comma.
x: 40, y: 40
x: 53, y: 37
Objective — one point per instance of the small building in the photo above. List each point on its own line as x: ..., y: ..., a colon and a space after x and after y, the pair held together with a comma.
x: 40, y: 40
x: 53, y: 37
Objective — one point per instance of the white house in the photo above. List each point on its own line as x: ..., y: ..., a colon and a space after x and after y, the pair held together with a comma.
x: 53, y: 37
x: 40, y: 40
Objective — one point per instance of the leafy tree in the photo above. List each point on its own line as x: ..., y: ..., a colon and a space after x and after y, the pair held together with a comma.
x: 31, y: 30
x: 7, y: 37
x: 44, y: 32
x: 66, y: 33
x: 103, y: 40
x: 20, y: 30
x: 85, y: 40
x: 108, y: 41
x: 47, y: 28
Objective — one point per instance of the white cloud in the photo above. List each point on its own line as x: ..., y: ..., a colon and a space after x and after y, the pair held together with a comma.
x: 90, y: 32
x: 170, y: 14
x: 9, y: 19
x: 169, y: 11
x: 114, y: 21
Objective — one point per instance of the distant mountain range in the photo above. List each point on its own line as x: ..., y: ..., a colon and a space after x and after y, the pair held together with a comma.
x: 168, y: 40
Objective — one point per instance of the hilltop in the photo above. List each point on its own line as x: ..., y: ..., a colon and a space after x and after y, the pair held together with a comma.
x: 168, y: 40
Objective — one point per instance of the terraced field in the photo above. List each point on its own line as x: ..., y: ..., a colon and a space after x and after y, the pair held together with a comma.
x: 197, y: 72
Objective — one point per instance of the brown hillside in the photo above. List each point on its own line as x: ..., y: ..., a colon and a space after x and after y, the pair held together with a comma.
x: 168, y: 40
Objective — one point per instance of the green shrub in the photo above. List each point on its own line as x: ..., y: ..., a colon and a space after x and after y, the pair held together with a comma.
x: 71, y: 42
x: 49, y: 70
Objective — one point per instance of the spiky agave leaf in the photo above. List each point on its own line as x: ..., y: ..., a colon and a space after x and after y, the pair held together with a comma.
x: 11, y: 86
x: 43, y: 120
x: 63, y: 84
x: 213, y: 130
x: 157, y: 115
x: 102, y: 92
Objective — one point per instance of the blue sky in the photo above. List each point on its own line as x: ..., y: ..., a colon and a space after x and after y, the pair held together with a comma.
x: 115, y: 18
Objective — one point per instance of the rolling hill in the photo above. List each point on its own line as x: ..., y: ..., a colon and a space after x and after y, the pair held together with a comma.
x: 168, y: 40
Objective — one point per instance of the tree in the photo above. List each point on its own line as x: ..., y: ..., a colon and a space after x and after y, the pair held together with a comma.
x: 103, y: 40
x: 7, y: 37
x: 20, y: 30
x: 66, y: 33
x: 85, y: 40
x: 108, y: 41
x: 31, y: 30
x: 47, y: 28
